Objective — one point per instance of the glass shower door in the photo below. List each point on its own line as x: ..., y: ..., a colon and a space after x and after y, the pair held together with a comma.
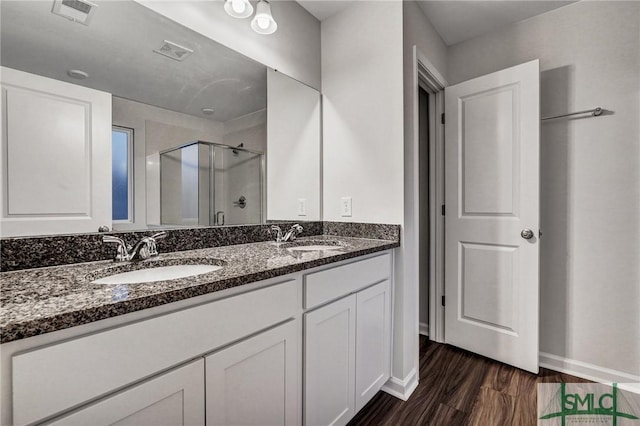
x: 185, y: 186
x: 207, y: 184
x: 237, y: 183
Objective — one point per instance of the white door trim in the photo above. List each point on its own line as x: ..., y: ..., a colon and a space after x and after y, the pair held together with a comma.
x: 428, y: 77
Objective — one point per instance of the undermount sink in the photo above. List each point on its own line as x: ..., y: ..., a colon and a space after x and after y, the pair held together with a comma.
x: 312, y: 245
x: 154, y: 271
x: 161, y: 273
x: 313, y: 248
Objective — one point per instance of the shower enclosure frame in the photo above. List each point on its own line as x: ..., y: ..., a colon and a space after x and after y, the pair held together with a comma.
x: 262, y: 184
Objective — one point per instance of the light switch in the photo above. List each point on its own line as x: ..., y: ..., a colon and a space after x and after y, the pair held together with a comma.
x: 302, y: 206
x: 345, y: 207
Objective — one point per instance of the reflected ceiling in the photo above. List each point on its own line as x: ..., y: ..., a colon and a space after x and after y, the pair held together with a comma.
x: 116, y: 50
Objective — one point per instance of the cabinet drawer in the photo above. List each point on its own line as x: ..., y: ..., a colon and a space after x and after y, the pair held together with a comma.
x: 49, y: 380
x: 324, y: 286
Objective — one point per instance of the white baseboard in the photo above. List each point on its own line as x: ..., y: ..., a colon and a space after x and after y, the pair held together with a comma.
x: 585, y: 370
x: 402, y: 388
x: 424, y: 329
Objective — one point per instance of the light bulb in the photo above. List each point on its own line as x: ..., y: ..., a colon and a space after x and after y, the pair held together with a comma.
x: 263, y: 22
x: 238, y: 6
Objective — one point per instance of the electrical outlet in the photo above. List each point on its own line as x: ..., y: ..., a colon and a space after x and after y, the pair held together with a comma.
x: 302, y: 206
x: 345, y: 207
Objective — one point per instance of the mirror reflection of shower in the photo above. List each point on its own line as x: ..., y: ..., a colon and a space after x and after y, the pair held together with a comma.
x: 206, y: 184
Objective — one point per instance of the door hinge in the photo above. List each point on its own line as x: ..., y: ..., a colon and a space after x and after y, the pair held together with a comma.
x: 443, y: 210
x: 442, y: 300
x: 442, y: 118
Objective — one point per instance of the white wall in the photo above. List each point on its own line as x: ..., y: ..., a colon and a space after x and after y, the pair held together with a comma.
x: 293, y: 49
x: 250, y: 130
x: 363, y: 140
x: 418, y: 32
x: 590, y: 172
x: 294, y: 148
x: 362, y: 112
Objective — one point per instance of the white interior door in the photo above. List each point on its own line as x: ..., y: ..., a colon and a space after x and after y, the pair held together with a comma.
x: 492, y: 215
x: 55, y: 159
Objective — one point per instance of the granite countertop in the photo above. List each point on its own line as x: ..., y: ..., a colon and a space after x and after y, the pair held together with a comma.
x: 38, y: 301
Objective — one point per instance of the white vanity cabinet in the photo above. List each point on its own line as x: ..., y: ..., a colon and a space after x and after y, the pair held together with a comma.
x: 255, y: 382
x: 330, y: 352
x: 310, y: 348
x: 373, y: 341
x: 51, y: 379
x: 173, y: 399
x: 348, y: 341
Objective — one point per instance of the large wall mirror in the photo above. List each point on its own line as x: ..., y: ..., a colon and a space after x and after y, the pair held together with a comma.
x: 172, y: 128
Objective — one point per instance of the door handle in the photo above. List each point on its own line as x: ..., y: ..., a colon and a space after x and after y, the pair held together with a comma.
x: 242, y: 202
x: 527, y: 234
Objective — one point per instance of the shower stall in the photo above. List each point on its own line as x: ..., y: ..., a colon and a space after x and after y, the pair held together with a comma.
x: 203, y: 183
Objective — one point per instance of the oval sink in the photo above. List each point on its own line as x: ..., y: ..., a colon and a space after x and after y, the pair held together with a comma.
x: 161, y: 273
x: 313, y: 248
x: 312, y: 245
x: 155, y: 270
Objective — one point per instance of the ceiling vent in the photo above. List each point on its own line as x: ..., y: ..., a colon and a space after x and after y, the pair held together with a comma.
x: 174, y: 51
x: 80, y: 11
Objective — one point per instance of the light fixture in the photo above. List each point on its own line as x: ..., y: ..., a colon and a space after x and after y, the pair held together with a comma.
x: 208, y: 111
x: 238, y: 8
x: 263, y: 22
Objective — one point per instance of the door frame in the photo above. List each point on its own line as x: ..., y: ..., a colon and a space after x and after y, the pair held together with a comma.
x: 427, y: 77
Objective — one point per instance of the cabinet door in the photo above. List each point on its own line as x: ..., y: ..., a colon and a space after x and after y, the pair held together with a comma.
x: 174, y: 398
x: 373, y: 341
x: 330, y: 363
x: 255, y: 382
x: 55, y: 158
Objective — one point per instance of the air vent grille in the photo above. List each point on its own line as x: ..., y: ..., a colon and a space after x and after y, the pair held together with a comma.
x: 79, y: 11
x: 174, y: 51
x: 78, y: 5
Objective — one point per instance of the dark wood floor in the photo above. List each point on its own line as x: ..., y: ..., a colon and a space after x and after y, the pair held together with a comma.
x: 461, y: 388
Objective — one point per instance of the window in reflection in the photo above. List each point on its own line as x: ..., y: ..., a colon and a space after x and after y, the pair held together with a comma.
x: 121, y: 181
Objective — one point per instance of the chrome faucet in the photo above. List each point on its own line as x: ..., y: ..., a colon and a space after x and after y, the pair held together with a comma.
x: 145, y: 248
x: 278, y: 233
x: 293, y: 232
x: 122, y: 251
x: 289, y: 236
